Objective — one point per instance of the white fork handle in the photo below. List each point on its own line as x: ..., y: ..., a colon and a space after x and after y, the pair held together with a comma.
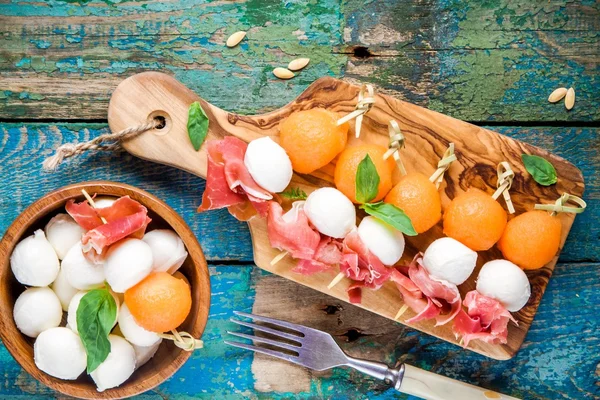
x: 430, y: 386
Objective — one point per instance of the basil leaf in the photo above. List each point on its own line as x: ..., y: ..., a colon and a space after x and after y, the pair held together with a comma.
x: 197, y: 125
x: 96, y: 314
x: 367, y: 181
x: 392, y: 215
x: 294, y: 194
x: 540, y: 169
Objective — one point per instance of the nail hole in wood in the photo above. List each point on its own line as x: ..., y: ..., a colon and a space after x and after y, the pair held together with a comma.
x: 361, y: 52
x: 353, y: 334
x: 331, y: 310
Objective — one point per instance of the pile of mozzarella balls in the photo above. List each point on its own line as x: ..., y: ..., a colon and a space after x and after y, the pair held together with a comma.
x: 50, y: 263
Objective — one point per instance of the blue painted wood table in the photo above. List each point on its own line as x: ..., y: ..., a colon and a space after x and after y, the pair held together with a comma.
x: 493, y: 63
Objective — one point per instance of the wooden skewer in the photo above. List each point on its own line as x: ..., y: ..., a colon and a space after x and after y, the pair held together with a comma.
x: 400, y: 312
x: 336, y: 280
x: 278, y: 257
x: 92, y: 203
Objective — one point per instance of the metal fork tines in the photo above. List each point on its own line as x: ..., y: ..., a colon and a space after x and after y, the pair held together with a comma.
x: 295, y: 343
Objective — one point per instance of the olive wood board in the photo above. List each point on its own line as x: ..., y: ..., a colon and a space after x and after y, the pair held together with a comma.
x: 428, y: 133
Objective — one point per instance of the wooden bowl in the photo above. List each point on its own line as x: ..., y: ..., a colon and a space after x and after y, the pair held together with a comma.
x: 168, y: 358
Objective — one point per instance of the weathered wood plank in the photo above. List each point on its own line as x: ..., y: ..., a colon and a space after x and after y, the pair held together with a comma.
x: 491, y: 61
x: 24, y: 147
x: 497, y: 62
x: 558, y: 360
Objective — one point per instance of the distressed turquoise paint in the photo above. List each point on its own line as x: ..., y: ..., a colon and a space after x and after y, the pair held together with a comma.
x: 557, y: 356
x: 558, y: 359
x: 495, y: 60
x: 494, y: 63
x: 25, y: 147
x: 221, y: 236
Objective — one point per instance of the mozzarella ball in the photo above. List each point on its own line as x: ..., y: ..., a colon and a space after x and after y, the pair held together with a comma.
x: 134, y: 333
x: 269, y: 164
x: 118, y: 366
x: 74, y: 304
x: 332, y: 213
x: 127, y: 263
x: 63, y: 232
x: 450, y: 260
x: 81, y: 273
x: 144, y: 354
x: 104, y: 201
x: 168, y: 251
x: 72, y: 311
x: 63, y: 289
x: 60, y: 353
x: 34, y: 261
x: 36, y: 310
x: 505, y: 282
x: 384, y: 241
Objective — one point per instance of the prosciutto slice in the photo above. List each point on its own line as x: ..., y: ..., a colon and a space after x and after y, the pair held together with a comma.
x: 362, y: 266
x: 291, y: 231
x: 426, y: 296
x: 124, y: 218
x: 228, y: 182
x: 327, y: 255
x: 485, y: 319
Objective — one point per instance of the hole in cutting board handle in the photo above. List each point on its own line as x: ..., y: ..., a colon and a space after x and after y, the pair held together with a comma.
x: 164, y: 122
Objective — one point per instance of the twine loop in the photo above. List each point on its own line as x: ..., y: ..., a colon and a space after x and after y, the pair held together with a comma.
x: 443, y: 165
x: 397, y: 142
x: 364, y: 104
x: 183, y: 340
x: 559, y: 205
x: 106, y: 142
x: 505, y: 180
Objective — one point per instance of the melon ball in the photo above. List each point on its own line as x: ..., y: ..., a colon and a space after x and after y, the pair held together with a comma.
x: 34, y: 261
x: 168, y: 250
x: 118, y: 366
x: 450, y: 260
x: 104, y: 201
x: 127, y: 263
x: 74, y: 304
x: 63, y: 289
x: 59, y: 352
x: 505, y: 282
x: 134, y: 333
x: 181, y: 276
x: 383, y: 240
x: 269, y: 164
x: 332, y: 213
x: 63, y: 232
x: 36, y: 310
x: 144, y: 354
x: 81, y: 273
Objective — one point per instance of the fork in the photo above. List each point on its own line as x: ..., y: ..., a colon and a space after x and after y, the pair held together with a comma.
x: 318, y: 350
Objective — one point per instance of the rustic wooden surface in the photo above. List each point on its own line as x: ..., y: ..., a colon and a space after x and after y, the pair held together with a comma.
x: 427, y: 136
x: 493, y: 63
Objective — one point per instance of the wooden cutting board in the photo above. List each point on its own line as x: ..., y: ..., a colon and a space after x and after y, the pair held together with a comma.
x: 427, y: 133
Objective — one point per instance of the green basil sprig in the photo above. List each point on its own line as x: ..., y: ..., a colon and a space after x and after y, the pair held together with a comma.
x: 540, y: 169
x: 367, y: 180
x: 197, y: 125
x: 367, y: 186
x: 96, y: 314
x: 392, y: 215
x: 294, y: 194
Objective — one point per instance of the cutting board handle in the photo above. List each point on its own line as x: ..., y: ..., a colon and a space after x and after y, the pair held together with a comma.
x: 148, y: 95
